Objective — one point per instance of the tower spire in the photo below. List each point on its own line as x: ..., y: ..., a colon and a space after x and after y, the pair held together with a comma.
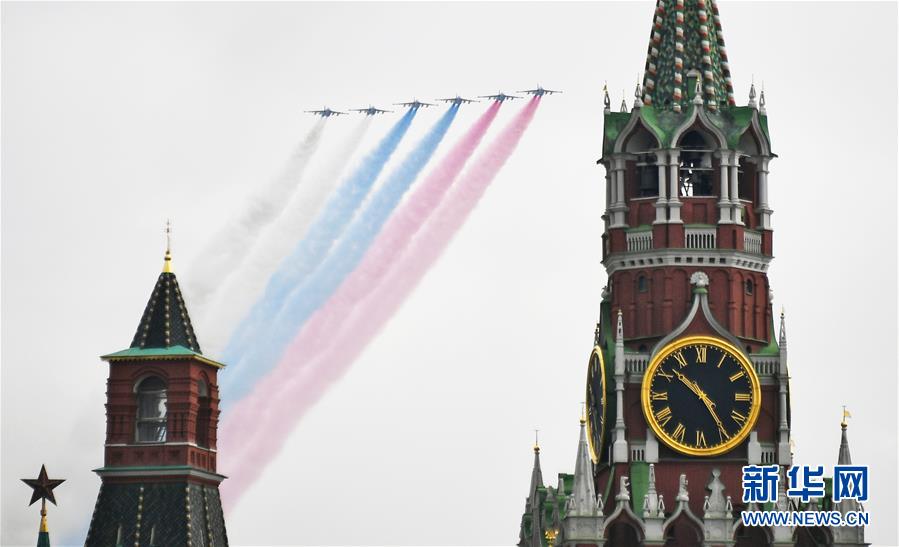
x: 167, y: 264
x: 606, y: 101
x: 693, y: 28
x: 536, y: 475
x: 782, y: 339
x: 752, y: 102
x: 583, y: 494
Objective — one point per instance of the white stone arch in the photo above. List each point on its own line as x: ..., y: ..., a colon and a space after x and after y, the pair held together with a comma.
x: 636, y: 122
x: 698, y: 115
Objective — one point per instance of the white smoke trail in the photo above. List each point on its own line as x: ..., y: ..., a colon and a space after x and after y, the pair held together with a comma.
x: 228, y: 248
x: 241, y: 287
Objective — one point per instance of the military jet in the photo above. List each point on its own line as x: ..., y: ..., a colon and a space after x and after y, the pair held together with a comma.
x: 457, y: 100
x: 539, y: 92
x: 414, y: 104
x: 326, y: 112
x: 370, y: 111
x: 500, y: 97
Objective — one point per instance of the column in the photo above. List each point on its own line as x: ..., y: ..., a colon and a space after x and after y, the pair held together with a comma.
x: 616, y: 211
x: 674, y: 203
x: 607, y: 217
x: 764, y: 210
x: 724, y: 208
x: 662, y: 202
x: 735, y: 189
x: 621, y: 195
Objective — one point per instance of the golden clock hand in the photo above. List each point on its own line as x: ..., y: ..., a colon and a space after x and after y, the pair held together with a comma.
x: 693, y: 387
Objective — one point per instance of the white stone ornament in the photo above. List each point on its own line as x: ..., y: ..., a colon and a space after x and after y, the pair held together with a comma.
x: 700, y: 279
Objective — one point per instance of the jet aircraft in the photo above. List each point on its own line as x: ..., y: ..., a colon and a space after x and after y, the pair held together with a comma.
x: 415, y: 104
x: 500, y: 97
x: 326, y: 112
x: 370, y: 111
x: 539, y: 92
x: 457, y: 100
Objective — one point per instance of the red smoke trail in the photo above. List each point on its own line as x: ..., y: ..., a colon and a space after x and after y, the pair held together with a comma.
x: 340, y: 331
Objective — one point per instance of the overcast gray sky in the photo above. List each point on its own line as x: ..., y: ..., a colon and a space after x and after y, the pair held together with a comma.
x: 119, y: 115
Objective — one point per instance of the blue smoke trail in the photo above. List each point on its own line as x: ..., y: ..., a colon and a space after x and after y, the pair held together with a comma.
x: 315, y: 289
x: 309, y: 253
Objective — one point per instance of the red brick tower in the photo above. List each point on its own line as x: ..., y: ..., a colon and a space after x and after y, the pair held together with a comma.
x: 159, y: 480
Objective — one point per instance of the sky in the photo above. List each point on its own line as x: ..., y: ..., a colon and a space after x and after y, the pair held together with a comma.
x: 117, y: 116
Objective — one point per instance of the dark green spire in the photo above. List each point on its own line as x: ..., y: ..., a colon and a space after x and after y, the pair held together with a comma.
x: 686, y: 44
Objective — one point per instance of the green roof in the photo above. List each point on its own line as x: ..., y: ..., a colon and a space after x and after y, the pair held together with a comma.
x: 168, y: 353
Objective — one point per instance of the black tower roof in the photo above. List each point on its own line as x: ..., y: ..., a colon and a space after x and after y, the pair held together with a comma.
x: 165, y: 322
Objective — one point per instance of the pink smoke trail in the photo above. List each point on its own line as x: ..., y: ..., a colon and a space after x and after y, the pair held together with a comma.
x: 325, y: 348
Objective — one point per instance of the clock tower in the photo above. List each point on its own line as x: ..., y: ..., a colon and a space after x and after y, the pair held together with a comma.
x: 687, y: 380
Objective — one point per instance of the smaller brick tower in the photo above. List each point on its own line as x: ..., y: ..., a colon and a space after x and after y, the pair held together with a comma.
x: 160, y: 485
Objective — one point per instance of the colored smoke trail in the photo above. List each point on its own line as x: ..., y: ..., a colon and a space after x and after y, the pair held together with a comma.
x: 387, y: 248
x: 246, y: 283
x: 263, y: 421
x: 314, y: 290
x: 229, y: 246
x: 328, y: 226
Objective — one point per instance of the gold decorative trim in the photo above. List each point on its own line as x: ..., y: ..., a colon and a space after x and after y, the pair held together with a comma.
x: 747, y: 367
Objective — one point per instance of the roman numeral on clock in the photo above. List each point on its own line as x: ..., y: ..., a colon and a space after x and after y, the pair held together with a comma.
x: 737, y: 417
x: 700, y: 439
x: 667, y: 376
x: 663, y: 396
x: 681, y: 360
x: 736, y: 376
x: 702, y: 353
x: 663, y: 416
x: 678, y: 433
x: 741, y: 397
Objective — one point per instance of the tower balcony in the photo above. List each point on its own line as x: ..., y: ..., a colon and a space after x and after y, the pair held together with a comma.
x: 700, y: 237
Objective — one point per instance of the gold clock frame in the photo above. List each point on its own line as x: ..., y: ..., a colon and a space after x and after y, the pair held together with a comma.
x: 754, y: 410
x: 597, y: 351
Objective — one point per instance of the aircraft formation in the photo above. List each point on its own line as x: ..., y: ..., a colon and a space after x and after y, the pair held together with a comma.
x: 415, y: 103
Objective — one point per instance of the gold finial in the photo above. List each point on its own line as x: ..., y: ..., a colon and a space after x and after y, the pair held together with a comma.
x: 846, y: 414
x: 44, y: 527
x: 583, y: 413
x: 551, y: 535
x: 167, y: 265
x: 536, y: 440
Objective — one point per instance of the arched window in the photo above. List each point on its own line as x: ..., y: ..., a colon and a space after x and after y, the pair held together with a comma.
x: 750, y: 286
x: 151, y: 406
x: 695, y: 176
x: 642, y: 283
x: 203, y: 414
x: 648, y: 173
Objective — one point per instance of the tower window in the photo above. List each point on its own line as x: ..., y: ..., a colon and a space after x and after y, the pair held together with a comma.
x: 642, y: 284
x: 695, y: 174
x: 648, y: 173
x: 750, y: 286
x: 203, y: 414
x: 151, y: 410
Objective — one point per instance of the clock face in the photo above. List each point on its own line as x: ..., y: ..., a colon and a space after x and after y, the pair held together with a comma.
x: 701, y: 396
x: 596, y: 404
